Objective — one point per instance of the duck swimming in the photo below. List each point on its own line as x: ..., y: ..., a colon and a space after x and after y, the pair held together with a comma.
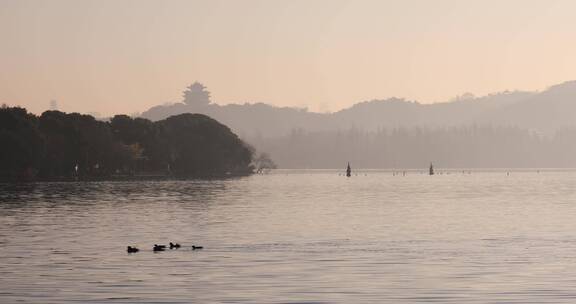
x: 174, y: 245
x: 159, y: 247
x: 131, y: 249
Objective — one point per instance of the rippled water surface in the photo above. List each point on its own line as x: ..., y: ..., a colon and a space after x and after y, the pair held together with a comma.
x: 294, y: 237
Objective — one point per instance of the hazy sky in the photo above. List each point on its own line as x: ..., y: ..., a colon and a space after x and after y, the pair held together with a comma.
x: 125, y: 56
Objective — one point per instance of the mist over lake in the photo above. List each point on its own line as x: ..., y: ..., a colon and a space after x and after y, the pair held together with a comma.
x: 304, y: 236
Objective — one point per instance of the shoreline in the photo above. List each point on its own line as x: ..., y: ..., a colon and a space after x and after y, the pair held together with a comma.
x: 152, y: 177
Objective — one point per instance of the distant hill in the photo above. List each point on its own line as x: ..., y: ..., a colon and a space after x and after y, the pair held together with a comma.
x: 507, y: 129
x: 545, y: 111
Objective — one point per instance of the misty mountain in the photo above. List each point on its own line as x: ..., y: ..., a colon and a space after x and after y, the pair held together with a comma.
x: 545, y: 111
x: 395, y: 113
x: 508, y: 129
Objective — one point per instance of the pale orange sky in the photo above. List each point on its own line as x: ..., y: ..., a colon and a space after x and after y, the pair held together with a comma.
x: 125, y: 56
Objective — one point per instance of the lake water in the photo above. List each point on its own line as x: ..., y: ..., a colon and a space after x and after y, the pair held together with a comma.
x: 294, y: 237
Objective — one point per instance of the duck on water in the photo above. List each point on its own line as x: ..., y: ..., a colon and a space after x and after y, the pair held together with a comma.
x: 159, y: 247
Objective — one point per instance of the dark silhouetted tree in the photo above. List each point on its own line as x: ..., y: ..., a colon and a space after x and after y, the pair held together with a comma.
x: 199, y: 145
x: 21, y: 144
x: 58, y: 145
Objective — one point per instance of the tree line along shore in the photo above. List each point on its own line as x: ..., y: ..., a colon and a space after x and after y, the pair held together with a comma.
x: 73, y: 146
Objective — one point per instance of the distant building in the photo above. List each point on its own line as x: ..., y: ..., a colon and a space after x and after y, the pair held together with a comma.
x: 54, y: 105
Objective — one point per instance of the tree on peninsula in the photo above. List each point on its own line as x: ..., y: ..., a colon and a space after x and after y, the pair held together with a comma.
x: 71, y: 146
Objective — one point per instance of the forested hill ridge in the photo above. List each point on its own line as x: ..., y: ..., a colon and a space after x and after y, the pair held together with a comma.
x: 509, y: 129
x: 61, y: 146
x: 545, y: 112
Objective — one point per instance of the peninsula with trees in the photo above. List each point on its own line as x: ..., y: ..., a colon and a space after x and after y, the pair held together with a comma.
x: 73, y: 146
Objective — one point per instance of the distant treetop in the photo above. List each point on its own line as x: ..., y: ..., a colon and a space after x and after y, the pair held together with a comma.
x: 196, y: 94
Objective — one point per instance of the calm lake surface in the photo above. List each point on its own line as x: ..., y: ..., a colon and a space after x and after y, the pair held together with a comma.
x: 294, y: 237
